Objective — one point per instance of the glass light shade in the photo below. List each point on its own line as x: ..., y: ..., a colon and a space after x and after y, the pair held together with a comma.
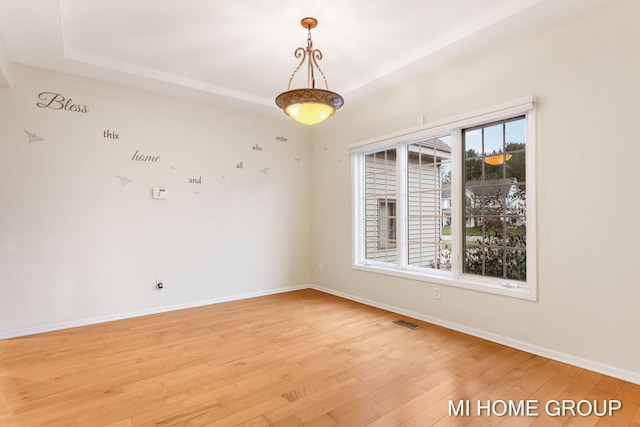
x: 309, y: 113
x: 497, y: 159
x: 309, y: 106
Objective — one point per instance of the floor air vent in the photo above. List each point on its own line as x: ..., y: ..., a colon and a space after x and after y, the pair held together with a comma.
x: 407, y: 324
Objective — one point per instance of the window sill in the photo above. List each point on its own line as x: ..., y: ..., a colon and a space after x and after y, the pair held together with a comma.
x: 519, y: 290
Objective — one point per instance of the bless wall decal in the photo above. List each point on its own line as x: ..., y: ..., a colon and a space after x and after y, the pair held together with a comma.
x: 57, y: 101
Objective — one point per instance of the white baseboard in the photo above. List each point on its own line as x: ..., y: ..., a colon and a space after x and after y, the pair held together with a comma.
x: 143, y: 312
x: 612, y: 371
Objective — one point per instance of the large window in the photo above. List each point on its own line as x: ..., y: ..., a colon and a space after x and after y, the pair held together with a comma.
x: 451, y: 202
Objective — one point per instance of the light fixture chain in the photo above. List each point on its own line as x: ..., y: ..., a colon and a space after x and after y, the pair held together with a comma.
x: 311, y: 78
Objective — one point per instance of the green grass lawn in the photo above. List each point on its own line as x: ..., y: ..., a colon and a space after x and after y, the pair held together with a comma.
x: 471, y: 231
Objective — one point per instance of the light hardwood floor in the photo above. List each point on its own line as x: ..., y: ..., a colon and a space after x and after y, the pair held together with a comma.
x: 298, y: 358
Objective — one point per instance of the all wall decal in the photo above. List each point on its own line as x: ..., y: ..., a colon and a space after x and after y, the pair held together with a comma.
x: 57, y: 101
x: 256, y: 147
x: 33, y: 137
x: 240, y: 165
x: 265, y: 171
x: 108, y: 134
x: 124, y: 180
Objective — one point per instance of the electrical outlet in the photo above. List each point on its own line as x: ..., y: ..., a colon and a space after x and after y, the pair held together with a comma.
x: 159, y: 284
x: 320, y: 268
x: 436, y: 293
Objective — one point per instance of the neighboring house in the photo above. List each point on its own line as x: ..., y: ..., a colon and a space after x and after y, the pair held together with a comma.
x: 429, y: 163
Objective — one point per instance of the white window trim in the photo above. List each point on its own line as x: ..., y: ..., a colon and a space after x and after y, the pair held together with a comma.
x: 455, y: 277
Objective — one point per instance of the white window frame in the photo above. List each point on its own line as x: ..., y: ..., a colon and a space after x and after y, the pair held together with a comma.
x: 452, y: 126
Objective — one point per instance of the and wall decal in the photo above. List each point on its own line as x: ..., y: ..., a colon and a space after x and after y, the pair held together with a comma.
x: 57, y: 101
x: 124, y: 180
x: 33, y: 137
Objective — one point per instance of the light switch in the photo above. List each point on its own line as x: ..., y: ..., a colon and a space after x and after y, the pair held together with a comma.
x: 159, y: 193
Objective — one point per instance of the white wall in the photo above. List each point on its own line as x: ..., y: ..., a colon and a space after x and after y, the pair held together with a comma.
x: 584, y: 74
x: 76, y: 245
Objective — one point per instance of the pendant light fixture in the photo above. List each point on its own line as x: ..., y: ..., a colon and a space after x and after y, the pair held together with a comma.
x: 497, y: 159
x: 309, y: 105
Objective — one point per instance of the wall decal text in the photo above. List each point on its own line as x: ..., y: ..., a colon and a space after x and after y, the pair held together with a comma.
x: 240, y: 165
x: 56, y: 101
x: 110, y: 134
x: 145, y: 158
x: 197, y: 180
x: 281, y: 139
x: 256, y: 147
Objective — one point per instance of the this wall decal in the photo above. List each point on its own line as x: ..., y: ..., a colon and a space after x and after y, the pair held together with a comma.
x: 240, y: 165
x: 110, y: 134
x: 124, y: 180
x: 256, y: 147
x: 56, y: 101
x: 281, y: 139
x: 265, y: 171
x: 145, y: 158
x: 33, y: 137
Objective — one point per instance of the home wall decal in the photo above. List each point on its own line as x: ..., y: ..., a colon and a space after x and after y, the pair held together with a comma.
x: 145, y: 158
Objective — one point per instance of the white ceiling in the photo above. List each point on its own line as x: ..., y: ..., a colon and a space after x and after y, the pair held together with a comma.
x: 240, y: 53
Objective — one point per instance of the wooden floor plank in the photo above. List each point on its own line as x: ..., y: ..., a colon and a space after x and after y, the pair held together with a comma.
x: 287, y: 360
